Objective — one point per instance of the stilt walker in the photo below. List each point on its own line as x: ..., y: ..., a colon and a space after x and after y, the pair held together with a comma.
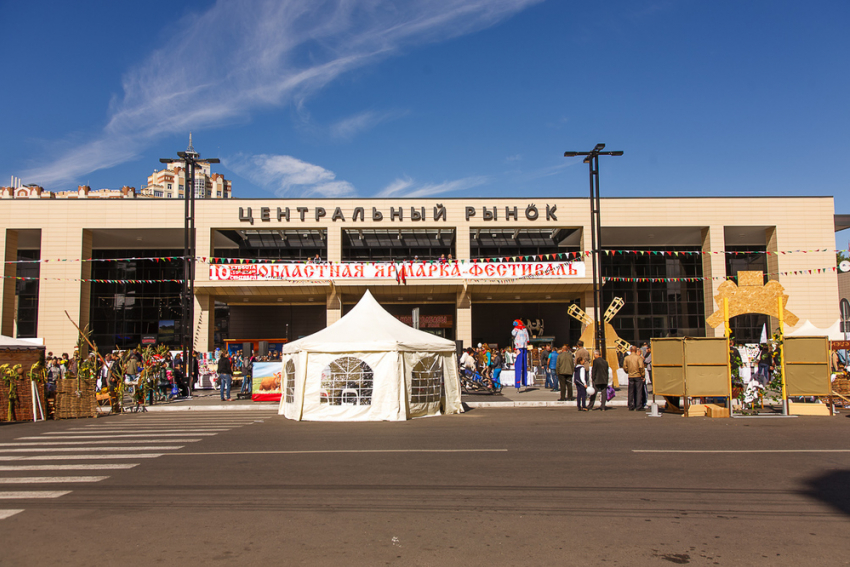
x: 520, y: 334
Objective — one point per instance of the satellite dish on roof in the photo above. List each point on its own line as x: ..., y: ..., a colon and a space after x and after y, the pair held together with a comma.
x: 844, y: 266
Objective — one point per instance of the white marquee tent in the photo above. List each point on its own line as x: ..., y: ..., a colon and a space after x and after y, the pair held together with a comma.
x: 808, y: 329
x: 369, y: 366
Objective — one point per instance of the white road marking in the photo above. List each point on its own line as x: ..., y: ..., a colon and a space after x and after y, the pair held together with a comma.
x: 50, y: 479
x: 104, y: 429
x: 8, y: 513
x: 80, y: 457
x: 59, y: 449
x: 348, y: 451
x: 27, y: 494
x: 101, y: 441
x: 741, y: 451
x: 181, y: 423
x: 117, y: 436
x: 169, y: 424
x: 77, y: 467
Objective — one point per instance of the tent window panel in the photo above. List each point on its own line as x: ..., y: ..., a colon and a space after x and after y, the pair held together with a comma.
x: 427, y: 381
x: 347, y: 381
x: 290, y: 382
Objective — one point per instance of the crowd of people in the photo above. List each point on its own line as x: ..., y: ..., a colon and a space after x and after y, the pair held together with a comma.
x: 567, y: 369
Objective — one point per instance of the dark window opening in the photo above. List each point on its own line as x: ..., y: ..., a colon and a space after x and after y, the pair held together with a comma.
x: 122, y: 312
x: 510, y: 242
x: 293, y: 245
x: 384, y: 245
x: 747, y: 328
x: 26, y: 294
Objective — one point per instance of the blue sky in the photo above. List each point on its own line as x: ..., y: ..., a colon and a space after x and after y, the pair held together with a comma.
x: 431, y: 97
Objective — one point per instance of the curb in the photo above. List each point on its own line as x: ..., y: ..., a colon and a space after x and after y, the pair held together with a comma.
x: 541, y: 404
x: 261, y: 406
x: 272, y: 406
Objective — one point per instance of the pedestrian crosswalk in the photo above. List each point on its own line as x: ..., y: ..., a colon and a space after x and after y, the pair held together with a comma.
x: 118, y: 443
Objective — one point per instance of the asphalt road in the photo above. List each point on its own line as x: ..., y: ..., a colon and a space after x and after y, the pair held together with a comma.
x: 490, y: 487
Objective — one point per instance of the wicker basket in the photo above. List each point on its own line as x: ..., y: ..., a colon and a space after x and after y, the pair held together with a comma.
x: 74, y: 399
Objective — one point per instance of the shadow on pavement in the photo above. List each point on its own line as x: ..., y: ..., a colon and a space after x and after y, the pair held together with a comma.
x: 832, y: 488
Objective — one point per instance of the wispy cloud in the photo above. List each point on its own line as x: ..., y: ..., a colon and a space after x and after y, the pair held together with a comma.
x: 349, y: 127
x: 513, y: 158
x: 242, y: 56
x: 286, y: 175
x: 408, y: 188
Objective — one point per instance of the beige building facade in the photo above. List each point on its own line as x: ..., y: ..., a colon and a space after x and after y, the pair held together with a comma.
x: 510, y: 258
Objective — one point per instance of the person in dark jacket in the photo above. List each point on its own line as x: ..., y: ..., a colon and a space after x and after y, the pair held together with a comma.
x: 225, y: 376
x: 565, y: 368
x: 599, y: 375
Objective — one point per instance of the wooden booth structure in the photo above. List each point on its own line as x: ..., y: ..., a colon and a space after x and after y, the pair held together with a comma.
x: 693, y: 368
x: 806, y: 369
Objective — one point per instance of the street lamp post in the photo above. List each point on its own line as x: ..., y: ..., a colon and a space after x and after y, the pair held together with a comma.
x: 592, y: 159
x: 190, y: 158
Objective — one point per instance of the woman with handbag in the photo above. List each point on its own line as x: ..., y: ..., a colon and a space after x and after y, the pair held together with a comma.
x: 580, y: 379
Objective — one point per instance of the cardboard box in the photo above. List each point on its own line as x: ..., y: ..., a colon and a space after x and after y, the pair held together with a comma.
x: 797, y: 408
x: 713, y: 410
x: 696, y: 410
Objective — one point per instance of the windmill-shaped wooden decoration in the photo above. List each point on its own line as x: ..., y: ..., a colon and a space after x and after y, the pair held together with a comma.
x: 613, y: 342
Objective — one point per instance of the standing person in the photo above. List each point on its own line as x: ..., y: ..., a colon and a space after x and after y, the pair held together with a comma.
x: 225, y: 376
x: 497, y: 361
x: 552, y: 370
x: 647, y: 361
x: 765, y: 360
x: 635, y: 368
x: 599, y: 375
x: 196, y: 371
x: 582, y: 352
x: 520, y: 335
x: 103, y: 373
x: 54, y: 374
x: 580, y: 378
x: 131, y: 371
x: 566, y: 366
x: 247, y: 375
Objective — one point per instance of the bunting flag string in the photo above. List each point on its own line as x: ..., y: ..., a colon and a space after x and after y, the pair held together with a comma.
x: 545, y: 271
x: 55, y: 260
x: 715, y: 278
x: 537, y: 274
x: 83, y: 280
x: 563, y: 256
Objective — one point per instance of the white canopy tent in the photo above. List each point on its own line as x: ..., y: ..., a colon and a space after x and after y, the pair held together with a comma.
x: 808, y: 329
x: 369, y: 366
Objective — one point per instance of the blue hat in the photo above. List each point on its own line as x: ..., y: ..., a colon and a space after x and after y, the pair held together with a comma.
x: 515, y: 323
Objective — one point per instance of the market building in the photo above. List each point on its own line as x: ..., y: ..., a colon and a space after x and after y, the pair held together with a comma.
x: 510, y: 258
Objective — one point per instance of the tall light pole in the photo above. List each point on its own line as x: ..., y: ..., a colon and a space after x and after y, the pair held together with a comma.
x: 592, y: 159
x: 190, y: 158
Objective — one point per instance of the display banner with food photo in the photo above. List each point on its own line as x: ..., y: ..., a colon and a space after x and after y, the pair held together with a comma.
x: 265, y: 386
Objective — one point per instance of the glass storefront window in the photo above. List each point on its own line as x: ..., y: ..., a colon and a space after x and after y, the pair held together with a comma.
x: 26, y: 295
x: 747, y: 328
x: 655, y: 309
x: 121, y: 313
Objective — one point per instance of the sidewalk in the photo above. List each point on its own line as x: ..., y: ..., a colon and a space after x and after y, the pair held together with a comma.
x: 210, y: 400
x: 534, y: 397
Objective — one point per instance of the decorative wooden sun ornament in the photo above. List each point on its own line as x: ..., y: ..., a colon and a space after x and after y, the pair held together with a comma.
x: 751, y: 296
